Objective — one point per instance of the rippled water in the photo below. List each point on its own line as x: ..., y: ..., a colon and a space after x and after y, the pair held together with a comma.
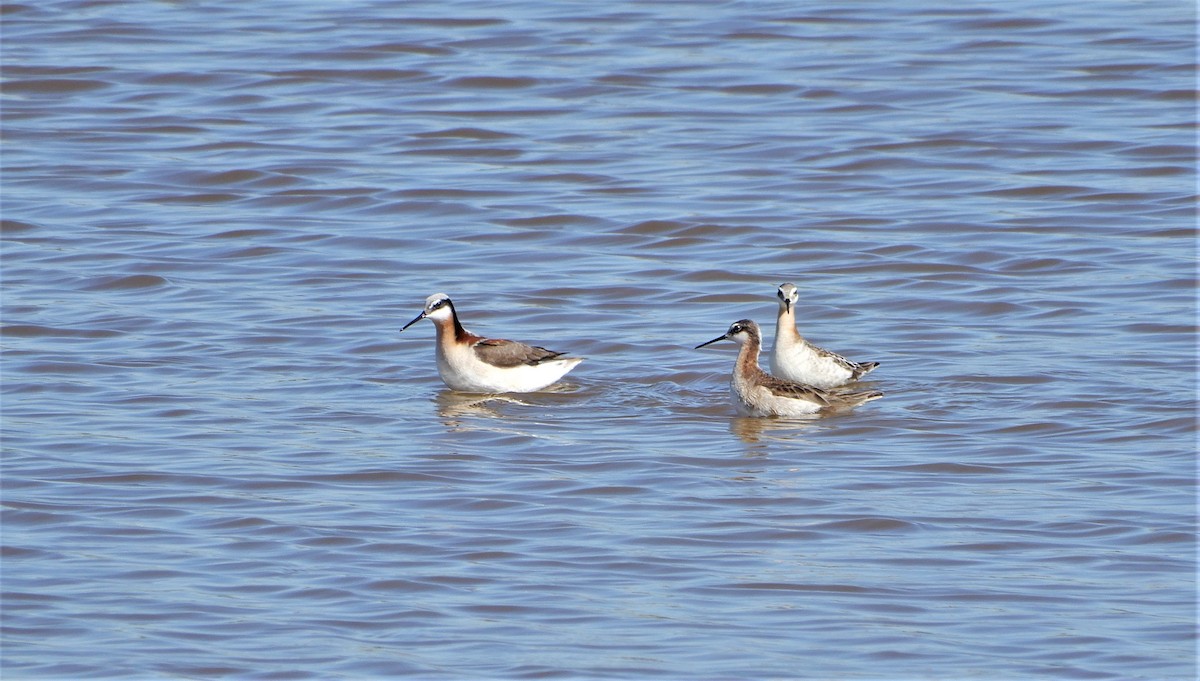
x: 221, y: 459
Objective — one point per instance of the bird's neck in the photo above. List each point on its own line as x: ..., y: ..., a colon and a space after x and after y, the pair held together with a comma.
x: 450, y: 332
x: 460, y: 334
x: 785, y: 326
x: 747, y: 360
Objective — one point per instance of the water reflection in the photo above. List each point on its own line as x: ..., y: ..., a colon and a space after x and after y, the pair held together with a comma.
x: 758, y: 432
x: 453, y: 406
x: 487, y: 414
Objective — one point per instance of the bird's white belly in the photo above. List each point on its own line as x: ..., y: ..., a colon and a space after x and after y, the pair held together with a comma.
x: 800, y: 363
x: 461, y: 370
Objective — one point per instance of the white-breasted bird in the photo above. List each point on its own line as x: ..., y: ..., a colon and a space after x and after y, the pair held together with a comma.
x: 474, y: 364
x: 795, y: 359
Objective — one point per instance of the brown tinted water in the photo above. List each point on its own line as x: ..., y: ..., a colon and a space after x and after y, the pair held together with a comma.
x: 221, y: 459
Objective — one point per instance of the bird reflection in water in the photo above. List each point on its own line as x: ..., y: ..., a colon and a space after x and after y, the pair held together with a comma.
x: 453, y: 405
x: 467, y: 413
x: 759, y: 431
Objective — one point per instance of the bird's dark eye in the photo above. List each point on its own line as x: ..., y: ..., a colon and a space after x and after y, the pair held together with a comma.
x: 440, y: 303
x: 737, y: 328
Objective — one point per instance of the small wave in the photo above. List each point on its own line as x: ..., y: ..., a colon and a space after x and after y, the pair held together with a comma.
x: 130, y: 282
x: 39, y: 331
x: 54, y: 86
x: 493, y: 82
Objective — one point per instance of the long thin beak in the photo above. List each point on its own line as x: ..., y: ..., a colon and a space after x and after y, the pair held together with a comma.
x: 414, y: 321
x: 718, y: 338
x: 787, y: 305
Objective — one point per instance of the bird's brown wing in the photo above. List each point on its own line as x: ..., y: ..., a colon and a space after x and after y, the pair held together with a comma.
x: 795, y: 390
x: 507, y: 354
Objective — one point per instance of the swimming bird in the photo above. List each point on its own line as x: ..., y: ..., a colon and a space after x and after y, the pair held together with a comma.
x: 757, y: 393
x: 474, y: 364
x: 795, y: 359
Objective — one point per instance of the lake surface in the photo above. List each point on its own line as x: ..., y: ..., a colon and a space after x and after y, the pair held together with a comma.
x: 223, y: 460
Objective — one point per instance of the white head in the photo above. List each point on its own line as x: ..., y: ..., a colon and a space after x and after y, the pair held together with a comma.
x: 741, y: 332
x: 788, y: 295
x: 437, y: 307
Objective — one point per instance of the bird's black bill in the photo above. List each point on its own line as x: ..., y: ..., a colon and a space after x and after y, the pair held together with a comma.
x: 414, y: 321
x: 718, y: 338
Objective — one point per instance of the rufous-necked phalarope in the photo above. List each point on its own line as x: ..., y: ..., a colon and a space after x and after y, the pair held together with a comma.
x: 474, y: 364
x: 795, y: 359
x: 757, y: 393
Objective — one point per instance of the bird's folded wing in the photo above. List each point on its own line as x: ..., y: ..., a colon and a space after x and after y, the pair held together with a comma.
x: 505, y: 353
x: 795, y: 390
